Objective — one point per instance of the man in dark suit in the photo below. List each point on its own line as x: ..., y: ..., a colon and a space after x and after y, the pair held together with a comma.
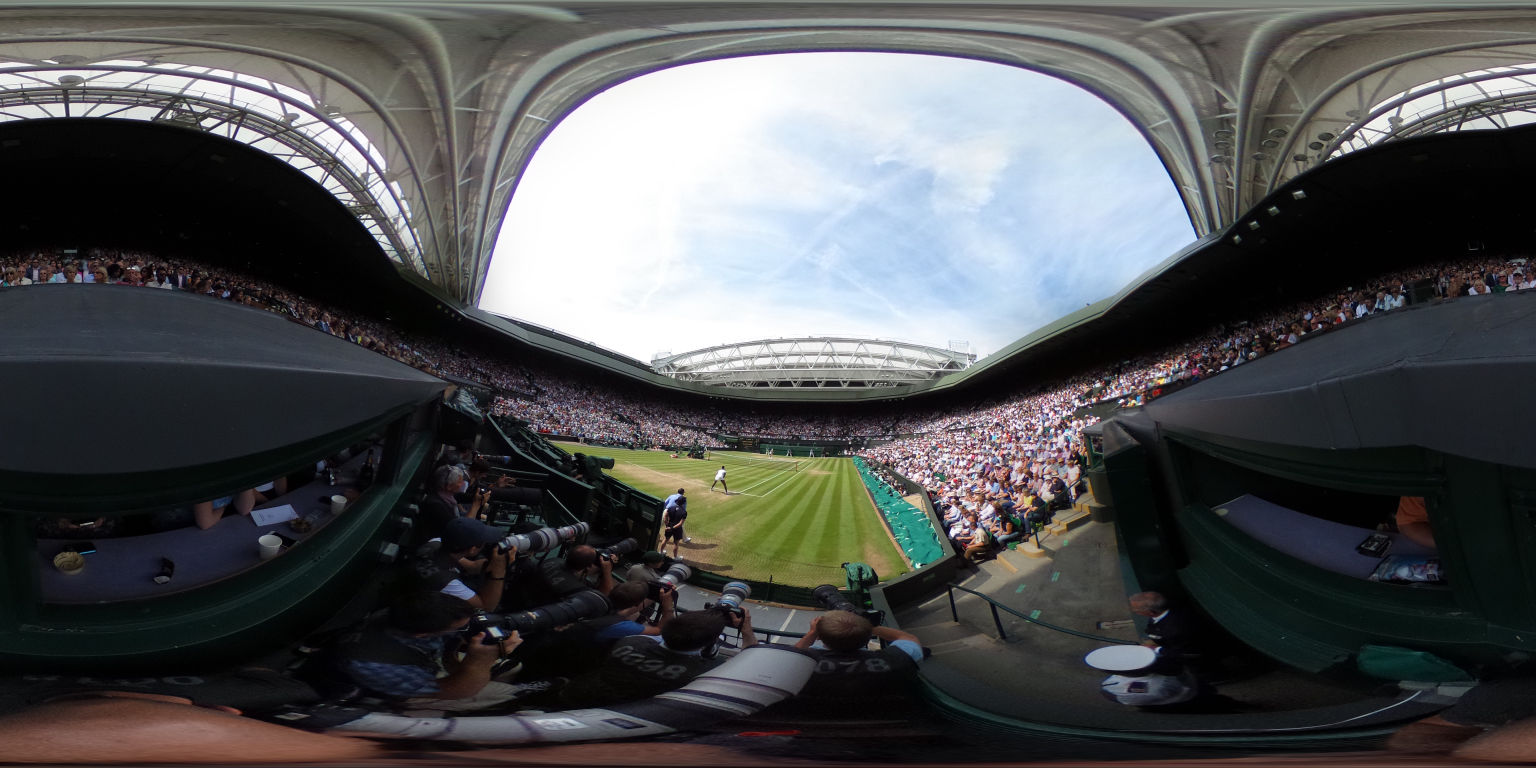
x: 1176, y: 638
x: 1168, y: 631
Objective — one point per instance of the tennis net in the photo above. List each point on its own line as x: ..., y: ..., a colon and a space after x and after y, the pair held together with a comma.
x: 762, y: 462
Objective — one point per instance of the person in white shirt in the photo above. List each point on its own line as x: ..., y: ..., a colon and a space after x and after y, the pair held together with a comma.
x: 720, y: 479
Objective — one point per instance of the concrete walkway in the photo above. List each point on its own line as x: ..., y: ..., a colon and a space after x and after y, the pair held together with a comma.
x: 1037, y: 675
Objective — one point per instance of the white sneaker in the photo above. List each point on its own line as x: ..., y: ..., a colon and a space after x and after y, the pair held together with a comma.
x: 687, y: 539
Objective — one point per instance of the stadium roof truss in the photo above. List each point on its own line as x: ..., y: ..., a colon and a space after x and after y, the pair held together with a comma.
x: 845, y: 363
x: 430, y: 111
x: 284, y: 123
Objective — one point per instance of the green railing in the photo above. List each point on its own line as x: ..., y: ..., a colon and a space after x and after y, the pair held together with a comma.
x: 998, y: 621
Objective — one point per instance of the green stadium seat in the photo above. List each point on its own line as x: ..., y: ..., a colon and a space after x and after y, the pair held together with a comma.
x: 910, y: 526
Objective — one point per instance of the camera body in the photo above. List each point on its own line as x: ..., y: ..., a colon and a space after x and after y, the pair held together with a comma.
x: 676, y: 574
x: 493, y: 625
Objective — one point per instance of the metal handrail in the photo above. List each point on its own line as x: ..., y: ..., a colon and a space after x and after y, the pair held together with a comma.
x: 996, y: 620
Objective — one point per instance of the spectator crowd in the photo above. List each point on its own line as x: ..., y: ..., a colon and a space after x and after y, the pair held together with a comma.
x: 974, y: 458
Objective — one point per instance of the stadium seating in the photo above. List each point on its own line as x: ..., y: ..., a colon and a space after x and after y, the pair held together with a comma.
x: 948, y: 448
x: 909, y: 525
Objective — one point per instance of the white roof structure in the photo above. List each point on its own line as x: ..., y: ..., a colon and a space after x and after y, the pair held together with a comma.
x: 422, y: 115
x: 820, y: 362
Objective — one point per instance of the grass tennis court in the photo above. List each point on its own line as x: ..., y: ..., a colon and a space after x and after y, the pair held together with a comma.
x: 792, y: 521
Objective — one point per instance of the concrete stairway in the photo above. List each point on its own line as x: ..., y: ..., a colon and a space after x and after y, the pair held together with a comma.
x: 1084, y: 510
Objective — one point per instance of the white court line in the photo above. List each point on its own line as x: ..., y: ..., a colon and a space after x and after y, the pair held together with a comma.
x: 787, y: 619
x: 760, y: 482
x: 776, y: 487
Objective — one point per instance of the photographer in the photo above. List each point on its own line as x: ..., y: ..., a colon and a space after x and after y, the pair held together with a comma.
x: 642, y: 666
x: 442, y: 505
x: 414, y: 659
x: 582, y: 568
x: 498, y: 488
x: 648, y: 569
x: 848, y: 674
x: 631, y: 601
x: 582, y: 645
x: 463, y: 556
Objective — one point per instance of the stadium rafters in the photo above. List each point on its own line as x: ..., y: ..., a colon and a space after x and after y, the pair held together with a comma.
x: 284, y: 123
x: 819, y: 362
x: 449, y: 100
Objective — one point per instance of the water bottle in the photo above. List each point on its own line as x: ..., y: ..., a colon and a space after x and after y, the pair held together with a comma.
x: 365, y: 475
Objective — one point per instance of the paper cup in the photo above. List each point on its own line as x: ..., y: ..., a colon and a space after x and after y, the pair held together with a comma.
x: 338, y: 503
x: 270, y: 546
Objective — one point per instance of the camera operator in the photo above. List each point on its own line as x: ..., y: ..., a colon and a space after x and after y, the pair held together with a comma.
x: 641, y: 666
x: 463, y: 556
x: 414, y: 658
x: 631, y: 601
x: 442, y: 504
x: 582, y: 568
x: 848, y: 674
x: 581, y: 646
x: 648, y: 569
x: 501, y: 487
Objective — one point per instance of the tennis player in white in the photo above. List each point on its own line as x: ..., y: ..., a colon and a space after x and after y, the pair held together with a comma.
x: 720, y: 478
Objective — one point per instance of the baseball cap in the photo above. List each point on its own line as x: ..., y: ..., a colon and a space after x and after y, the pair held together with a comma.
x: 462, y: 533
x: 653, y: 557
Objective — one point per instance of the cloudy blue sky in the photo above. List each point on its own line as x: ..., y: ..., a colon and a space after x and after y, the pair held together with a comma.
x: 906, y: 197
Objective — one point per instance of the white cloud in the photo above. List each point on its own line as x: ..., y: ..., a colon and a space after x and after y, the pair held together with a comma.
x: 907, y: 197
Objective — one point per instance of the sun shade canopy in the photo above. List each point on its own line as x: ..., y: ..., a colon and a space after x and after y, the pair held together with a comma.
x: 1452, y: 377
x: 114, y: 380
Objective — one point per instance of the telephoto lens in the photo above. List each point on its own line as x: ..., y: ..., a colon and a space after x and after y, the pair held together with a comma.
x: 619, y: 548
x: 586, y: 604
x: 731, y: 597
x: 676, y: 574
x: 833, y: 600
x: 543, y: 539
